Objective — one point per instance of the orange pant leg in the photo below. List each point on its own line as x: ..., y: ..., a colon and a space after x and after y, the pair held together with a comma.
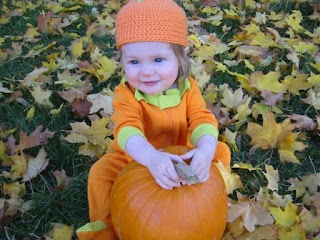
x: 100, y: 181
x: 223, y: 153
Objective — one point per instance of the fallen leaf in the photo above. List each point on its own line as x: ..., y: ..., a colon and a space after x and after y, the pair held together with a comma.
x: 36, y: 165
x: 273, y: 178
x: 246, y: 166
x: 16, y: 188
x: 252, y: 214
x: 303, y: 122
x: 296, y: 232
x: 232, y: 180
x: 60, y: 232
x: 35, y: 138
x: 62, y: 179
x: 269, y: 82
x: 100, y: 101
x: 42, y: 97
x: 80, y: 107
x: 287, y: 217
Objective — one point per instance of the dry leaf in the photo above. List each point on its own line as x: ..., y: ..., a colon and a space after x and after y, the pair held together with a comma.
x: 252, y: 214
x: 36, y: 165
x: 35, y: 138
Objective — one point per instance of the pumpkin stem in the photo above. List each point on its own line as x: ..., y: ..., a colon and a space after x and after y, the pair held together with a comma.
x: 186, y: 173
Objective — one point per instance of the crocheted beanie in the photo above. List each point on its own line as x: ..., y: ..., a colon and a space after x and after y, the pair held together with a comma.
x: 151, y: 21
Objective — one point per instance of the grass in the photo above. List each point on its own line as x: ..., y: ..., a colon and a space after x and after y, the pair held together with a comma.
x: 69, y: 205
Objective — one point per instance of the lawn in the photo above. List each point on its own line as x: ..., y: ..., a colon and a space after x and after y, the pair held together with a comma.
x: 258, y: 66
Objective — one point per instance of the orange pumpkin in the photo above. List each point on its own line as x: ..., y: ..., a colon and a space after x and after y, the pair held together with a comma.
x: 142, y: 210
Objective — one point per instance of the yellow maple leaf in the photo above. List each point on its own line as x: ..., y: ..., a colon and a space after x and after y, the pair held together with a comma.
x: 305, y: 47
x: 60, y: 232
x: 94, y: 137
x: 16, y: 188
x: 69, y: 80
x: 19, y: 166
x: 287, y: 217
x: 269, y: 82
x: 261, y: 39
x: 230, y: 138
x: 204, y: 52
x: 296, y: 232
x: 232, y: 180
x: 77, y: 48
x: 263, y: 109
x: 106, y: 68
x: 297, y: 83
x: 31, y: 34
x: 252, y: 28
x: 52, y: 65
x: 270, y: 133
x: 288, y: 145
x: 4, y: 20
x: 294, y: 20
x: 314, y: 79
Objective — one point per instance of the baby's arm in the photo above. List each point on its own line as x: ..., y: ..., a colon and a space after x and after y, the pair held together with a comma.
x: 202, y: 156
x: 159, y: 163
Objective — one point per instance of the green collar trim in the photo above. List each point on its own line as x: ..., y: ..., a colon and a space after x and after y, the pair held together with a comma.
x: 171, y: 98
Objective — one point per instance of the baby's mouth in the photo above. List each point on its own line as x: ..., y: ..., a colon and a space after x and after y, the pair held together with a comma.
x: 150, y: 83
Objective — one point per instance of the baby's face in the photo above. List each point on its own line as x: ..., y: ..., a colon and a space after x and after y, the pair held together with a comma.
x: 151, y: 67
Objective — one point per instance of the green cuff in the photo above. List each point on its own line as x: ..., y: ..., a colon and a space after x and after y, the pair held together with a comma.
x: 125, y: 133
x: 92, y: 227
x: 203, y: 129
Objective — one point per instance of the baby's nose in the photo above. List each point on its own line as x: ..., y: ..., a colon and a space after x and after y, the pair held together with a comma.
x: 147, y: 70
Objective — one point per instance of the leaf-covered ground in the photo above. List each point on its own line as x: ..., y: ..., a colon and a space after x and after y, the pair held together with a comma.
x: 257, y: 62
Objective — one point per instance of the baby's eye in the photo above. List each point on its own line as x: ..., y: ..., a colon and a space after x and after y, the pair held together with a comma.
x: 158, y: 60
x: 134, y: 61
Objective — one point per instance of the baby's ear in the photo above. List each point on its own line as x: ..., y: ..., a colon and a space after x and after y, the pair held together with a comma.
x: 186, y: 50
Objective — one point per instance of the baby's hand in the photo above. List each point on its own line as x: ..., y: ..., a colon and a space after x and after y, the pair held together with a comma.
x: 201, y: 161
x: 162, y: 169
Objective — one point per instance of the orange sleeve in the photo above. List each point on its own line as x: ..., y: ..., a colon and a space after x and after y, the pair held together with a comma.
x: 126, y: 110
x: 197, y: 113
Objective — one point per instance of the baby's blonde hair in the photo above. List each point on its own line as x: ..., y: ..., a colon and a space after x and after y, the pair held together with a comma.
x: 184, y: 61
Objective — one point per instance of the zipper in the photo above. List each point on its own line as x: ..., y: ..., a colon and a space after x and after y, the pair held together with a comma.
x: 170, y: 126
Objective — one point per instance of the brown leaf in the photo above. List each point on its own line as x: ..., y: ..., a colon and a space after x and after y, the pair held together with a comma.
x: 270, y: 98
x: 221, y: 114
x: 4, y: 218
x: 36, y: 138
x: 80, y: 107
x: 62, y: 179
x: 74, y: 93
x: 252, y: 214
x: 43, y: 21
x: 303, y: 122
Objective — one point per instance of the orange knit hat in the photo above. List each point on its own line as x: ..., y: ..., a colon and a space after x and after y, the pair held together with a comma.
x: 151, y: 20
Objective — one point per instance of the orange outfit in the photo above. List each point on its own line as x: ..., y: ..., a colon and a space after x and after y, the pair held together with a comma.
x: 177, y: 118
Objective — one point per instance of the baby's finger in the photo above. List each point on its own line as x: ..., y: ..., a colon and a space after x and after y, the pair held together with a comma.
x: 188, y: 155
x: 175, y: 158
x: 204, y: 176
